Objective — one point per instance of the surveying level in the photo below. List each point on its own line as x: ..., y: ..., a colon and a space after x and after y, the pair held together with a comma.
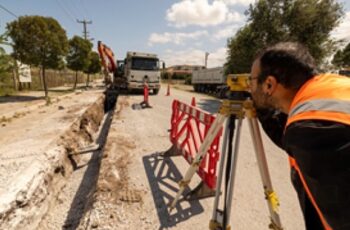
x: 236, y: 107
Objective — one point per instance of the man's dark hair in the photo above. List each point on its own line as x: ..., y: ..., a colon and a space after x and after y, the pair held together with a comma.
x: 289, y: 62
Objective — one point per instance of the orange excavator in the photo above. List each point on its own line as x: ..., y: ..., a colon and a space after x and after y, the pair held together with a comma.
x: 108, y: 62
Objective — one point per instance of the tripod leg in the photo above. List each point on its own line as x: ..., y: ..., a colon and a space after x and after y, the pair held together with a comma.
x: 212, y: 133
x: 271, y: 196
x: 221, y: 219
x: 233, y: 167
x: 213, y: 222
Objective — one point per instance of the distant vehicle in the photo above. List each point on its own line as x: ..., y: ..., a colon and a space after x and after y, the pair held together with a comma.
x: 345, y: 72
x: 212, y: 81
x: 138, y: 68
x: 132, y: 72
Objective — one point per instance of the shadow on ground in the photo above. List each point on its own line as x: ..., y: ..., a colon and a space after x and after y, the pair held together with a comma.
x: 84, y: 197
x: 163, y: 176
x: 209, y: 105
x: 19, y: 98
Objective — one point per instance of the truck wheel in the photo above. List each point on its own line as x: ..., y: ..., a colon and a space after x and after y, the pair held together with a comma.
x: 155, y: 91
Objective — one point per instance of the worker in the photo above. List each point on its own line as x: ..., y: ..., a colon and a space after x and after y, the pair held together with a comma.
x: 307, y: 114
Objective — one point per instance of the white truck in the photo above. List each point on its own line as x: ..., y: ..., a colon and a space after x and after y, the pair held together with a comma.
x: 138, y: 68
x: 212, y: 80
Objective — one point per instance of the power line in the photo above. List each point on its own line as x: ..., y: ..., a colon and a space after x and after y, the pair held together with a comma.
x: 61, y: 5
x: 78, y: 9
x: 66, y: 11
x: 8, y: 11
x: 86, y: 12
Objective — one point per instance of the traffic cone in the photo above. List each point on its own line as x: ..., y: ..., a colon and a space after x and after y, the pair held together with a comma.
x: 193, y: 102
x: 145, y: 102
x: 168, y: 91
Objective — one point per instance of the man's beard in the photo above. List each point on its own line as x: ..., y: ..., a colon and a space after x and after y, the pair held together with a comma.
x: 262, y: 100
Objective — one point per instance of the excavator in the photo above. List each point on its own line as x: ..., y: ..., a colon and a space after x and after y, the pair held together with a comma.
x: 111, y: 77
x: 132, y: 72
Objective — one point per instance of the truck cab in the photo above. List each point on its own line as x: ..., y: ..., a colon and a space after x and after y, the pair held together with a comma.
x: 140, y: 67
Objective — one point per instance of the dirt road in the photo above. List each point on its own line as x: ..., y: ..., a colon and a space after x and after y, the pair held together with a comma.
x: 136, y: 184
x: 126, y: 184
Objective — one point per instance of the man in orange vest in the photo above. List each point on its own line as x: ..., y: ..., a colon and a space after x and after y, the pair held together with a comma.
x: 307, y: 114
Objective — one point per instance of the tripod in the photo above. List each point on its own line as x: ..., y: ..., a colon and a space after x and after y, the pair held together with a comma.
x: 235, y: 108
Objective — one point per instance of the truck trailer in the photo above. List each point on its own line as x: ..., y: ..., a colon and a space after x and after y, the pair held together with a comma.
x: 212, y: 81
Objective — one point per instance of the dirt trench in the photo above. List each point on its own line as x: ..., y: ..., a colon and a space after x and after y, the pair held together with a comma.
x: 27, y: 206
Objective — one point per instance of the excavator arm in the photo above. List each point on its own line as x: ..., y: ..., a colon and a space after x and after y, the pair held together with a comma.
x: 107, y: 61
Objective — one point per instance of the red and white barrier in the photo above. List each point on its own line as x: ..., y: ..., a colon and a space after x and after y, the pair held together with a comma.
x: 189, y: 127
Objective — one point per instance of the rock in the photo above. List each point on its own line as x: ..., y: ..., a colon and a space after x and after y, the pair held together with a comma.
x: 60, y: 107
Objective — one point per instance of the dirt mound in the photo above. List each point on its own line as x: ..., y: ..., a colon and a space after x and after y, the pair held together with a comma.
x: 32, y: 194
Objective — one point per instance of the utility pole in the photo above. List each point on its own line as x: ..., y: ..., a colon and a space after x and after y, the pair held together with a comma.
x: 206, y: 59
x: 85, y: 32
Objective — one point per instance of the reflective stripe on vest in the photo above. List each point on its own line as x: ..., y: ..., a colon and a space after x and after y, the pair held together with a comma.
x: 324, y: 97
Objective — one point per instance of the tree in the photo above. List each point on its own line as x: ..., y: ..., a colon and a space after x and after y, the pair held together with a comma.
x: 346, y: 56
x: 38, y: 41
x: 338, y: 59
x: 6, y: 67
x: 341, y: 58
x: 270, y: 21
x: 241, y: 49
x: 94, y: 66
x: 78, y: 55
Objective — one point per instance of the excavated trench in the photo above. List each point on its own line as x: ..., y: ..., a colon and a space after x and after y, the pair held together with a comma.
x: 62, y: 189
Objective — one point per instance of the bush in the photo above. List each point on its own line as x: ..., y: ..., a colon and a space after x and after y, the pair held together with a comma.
x: 188, y: 80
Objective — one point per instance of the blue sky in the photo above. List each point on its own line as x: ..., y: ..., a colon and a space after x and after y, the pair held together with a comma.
x: 180, y: 31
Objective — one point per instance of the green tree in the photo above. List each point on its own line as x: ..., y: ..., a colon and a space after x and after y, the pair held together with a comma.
x: 6, y: 75
x: 338, y: 59
x: 38, y: 41
x: 241, y: 49
x: 78, y: 55
x: 346, y: 56
x: 94, y: 66
x: 6, y: 62
x: 341, y: 58
x: 270, y: 21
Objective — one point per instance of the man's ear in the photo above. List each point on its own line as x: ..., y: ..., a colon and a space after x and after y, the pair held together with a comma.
x: 270, y: 85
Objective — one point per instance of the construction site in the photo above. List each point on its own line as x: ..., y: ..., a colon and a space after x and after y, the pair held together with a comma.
x: 101, y: 167
x: 187, y: 114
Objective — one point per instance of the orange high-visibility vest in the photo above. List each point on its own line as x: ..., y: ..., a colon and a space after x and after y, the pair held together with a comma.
x: 324, y: 97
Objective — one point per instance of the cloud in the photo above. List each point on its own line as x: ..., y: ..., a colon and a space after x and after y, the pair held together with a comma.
x: 343, y: 30
x: 195, y: 57
x: 176, y: 38
x: 238, y: 2
x: 234, y: 17
x: 227, y: 32
x: 200, y: 13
